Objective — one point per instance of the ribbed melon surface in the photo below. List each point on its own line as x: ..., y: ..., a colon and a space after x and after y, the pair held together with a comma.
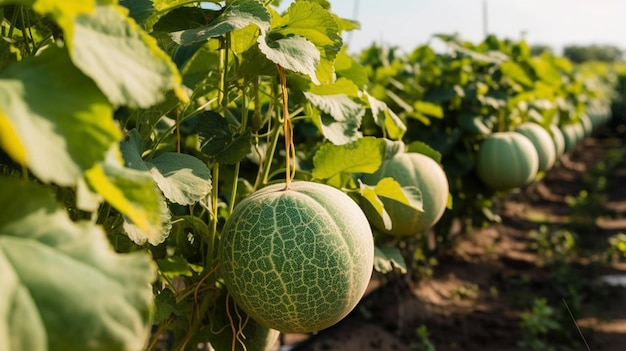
x: 506, y: 160
x: 297, y: 260
x: 541, y: 139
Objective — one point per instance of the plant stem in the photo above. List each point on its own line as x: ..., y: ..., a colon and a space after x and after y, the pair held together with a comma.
x: 269, y: 153
x: 287, y: 128
x: 213, y: 218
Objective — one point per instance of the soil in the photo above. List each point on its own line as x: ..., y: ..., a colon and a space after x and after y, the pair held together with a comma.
x: 476, y: 295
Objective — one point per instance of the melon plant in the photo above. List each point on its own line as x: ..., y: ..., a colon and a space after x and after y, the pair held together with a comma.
x: 506, y: 160
x: 421, y: 171
x: 542, y: 141
x: 299, y: 259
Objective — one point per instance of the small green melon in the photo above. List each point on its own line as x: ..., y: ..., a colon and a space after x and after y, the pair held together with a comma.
x: 558, y: 139
x: 573, y: 133
x: 421, y: 171
x: 297, y: 260
x: 506, y: 160
x: 542, y: 141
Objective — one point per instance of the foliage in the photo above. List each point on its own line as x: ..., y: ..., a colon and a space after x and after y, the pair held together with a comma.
x: 536, y: 324
x: 603, y: 53
x: 130, y: 130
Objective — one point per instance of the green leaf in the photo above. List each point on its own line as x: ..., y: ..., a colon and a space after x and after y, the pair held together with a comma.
x: 237, y: 15
x: 308, y: 19
x: 62, y: 12
x: 125, y: 62
x: 165, y: 306
x: 421, y: 147
x: 183, y: 178
x: 237, y: 150
x: 140, y: 10
x: 473, y: 123
x: 349, y: 68
x: 293, y: 53
x: 183, y: 18
x: 428, y: 108
x: 369, y: 194
x: 341, y: 118
x: 217, y: 140
x: 53, y: 119
x: 213, y: 132
x: 516, y: 72
x: 363, y: 155
x: 175, y: 266
x: 408, y: 195
x: 8, y: 54
x: 386, y: 258
x: 110, y: 294
x: 384, y: 117
x: 135, y: 195
x: 340, y: 86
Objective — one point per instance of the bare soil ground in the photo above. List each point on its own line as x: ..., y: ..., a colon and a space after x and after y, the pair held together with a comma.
x: 486, y: 280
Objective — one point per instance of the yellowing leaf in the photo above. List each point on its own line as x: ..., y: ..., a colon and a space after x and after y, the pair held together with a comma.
x: 125, y: 62
x: 48, y: 262
x: 363, y: 155
x: 10, y: 141
x: 59, y: 122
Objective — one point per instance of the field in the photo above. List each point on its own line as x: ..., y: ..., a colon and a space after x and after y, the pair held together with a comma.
x: 486, y: 280
x: 177, y: 174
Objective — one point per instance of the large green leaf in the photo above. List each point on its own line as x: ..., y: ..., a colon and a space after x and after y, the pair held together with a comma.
x: 53, y: 119
x: 237, y: 15
x: 182, y: 178
x: 349, y: 68
x: 63, y: 287
x: 516, y: 72
x: 308, y: 19
x: 341, y: 117
x: 364, y: 155
x: 125, y: 62
x: 293, y: 53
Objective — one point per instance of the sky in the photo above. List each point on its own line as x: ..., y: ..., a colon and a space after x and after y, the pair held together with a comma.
x: 410, y: 23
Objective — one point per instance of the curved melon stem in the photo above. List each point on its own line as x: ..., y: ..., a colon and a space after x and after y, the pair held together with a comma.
x: 290, y: 153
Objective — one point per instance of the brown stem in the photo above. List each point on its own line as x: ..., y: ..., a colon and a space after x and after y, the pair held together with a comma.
x: 288, y: 130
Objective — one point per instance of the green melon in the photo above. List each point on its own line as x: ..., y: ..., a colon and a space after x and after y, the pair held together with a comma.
x: 542, y: 141
x: 412, y: 169
x: 587, y: 124
x: 557, y: 138
x: 573, y: 133
x: 506, y: 160
x: 297, y: 260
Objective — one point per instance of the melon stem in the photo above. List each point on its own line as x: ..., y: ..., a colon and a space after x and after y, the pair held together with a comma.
x: 287, y: 130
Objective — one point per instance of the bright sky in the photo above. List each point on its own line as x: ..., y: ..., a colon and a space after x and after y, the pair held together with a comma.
x: 410, y: 23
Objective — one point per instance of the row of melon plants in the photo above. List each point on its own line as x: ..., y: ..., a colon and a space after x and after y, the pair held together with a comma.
x: 471, y: 101
x: 222, y: 172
